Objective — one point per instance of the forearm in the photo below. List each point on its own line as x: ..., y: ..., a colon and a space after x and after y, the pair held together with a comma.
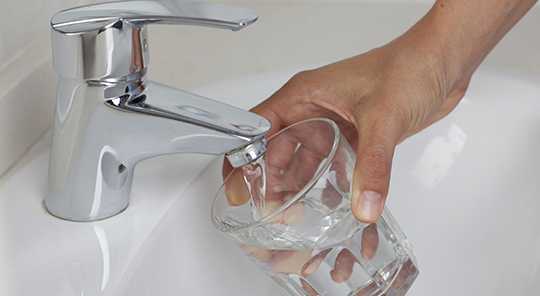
x: 460, y: 33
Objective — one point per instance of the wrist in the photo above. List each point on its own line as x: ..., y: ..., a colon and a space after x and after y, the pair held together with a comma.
x: 432, y: 44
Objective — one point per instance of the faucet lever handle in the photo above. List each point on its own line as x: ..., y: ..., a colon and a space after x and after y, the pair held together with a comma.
x: 107, y: 41
x: 101, y: 16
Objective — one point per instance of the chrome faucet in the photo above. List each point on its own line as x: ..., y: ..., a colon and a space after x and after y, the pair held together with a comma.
x: 109, y: 117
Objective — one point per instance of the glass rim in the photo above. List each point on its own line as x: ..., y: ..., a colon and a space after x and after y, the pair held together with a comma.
x: 325, y: 164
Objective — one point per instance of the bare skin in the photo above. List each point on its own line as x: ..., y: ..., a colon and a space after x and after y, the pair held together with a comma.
x: 381, y: 97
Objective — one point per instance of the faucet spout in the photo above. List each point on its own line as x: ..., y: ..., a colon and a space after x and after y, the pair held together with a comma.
x: 198, y: 124
x: 102, y: 130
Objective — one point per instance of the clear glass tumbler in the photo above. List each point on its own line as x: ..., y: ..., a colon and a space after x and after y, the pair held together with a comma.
x: 289, y: 211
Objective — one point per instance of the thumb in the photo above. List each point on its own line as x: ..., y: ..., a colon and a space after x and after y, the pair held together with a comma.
x: 378, y: 135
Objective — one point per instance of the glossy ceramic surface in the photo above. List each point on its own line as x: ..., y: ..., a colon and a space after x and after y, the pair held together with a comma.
x: 465, y: 191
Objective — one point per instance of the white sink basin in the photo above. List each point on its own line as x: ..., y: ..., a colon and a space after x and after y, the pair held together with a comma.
x: 465, y: 191
x: 43, y: 255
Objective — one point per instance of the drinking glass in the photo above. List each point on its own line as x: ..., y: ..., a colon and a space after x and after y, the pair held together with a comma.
x: 289, y: 211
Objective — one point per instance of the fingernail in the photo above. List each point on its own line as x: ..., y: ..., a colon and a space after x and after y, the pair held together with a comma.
x: 308, y: 288
x: 343, y: 267
x: 261, y: 254
x: 337, y: 276
x: 290, y: 261
x: 370, y: 206
x: 236, y: 196
x: 370, y: 241
x: 313, y: 264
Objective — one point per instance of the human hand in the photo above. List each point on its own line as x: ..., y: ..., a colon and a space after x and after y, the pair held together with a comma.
x: 291, y: 161
x: 381, y: 97
x: 378, y: 99
x: 339, y: 267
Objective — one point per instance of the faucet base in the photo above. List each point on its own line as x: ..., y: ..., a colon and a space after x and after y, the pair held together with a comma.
x: 79, y: 220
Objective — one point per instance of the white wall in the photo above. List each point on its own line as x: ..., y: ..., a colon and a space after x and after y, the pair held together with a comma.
x: 26, y: 79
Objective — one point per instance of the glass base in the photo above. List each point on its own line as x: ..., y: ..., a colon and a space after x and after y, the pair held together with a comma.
x: 393, y: 280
